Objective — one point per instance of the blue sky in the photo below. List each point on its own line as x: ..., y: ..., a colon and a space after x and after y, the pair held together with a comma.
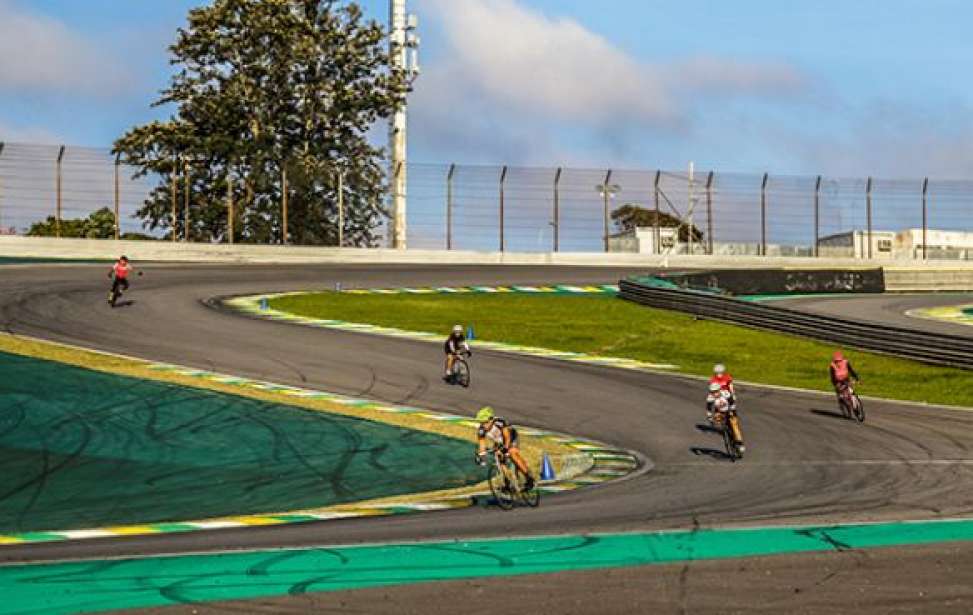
x: 790, y: 87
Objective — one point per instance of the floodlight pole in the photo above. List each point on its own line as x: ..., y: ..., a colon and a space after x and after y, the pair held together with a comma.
x: 403, y: 58
x: 186, y: 188
x: 692, y: 203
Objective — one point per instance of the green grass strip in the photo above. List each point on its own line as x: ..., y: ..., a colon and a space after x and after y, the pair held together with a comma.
x: 601, y: 326
x: 78, y: 587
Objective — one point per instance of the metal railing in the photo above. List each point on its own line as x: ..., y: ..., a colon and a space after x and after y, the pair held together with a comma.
x: 933, y: 348
x: 533, y: 209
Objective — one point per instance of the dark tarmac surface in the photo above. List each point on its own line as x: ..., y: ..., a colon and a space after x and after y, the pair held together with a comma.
x: 804, y: 463
x: 887, y: 309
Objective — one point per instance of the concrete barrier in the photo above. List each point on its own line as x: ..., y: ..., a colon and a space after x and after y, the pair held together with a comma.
x: 899, y: 279
x: 162, y: 251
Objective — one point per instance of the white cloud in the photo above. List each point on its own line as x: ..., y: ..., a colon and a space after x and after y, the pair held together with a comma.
x: 27, y: 134
x: 40, y: 54
x: 521, y: 80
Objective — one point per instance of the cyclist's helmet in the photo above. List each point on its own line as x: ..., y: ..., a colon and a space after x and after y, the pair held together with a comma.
x: 457, y: 329
x: 838, y: 356
x: 715, y: 387
x: 484, y: 415
x: 123, y: 258
x: 719, y: 369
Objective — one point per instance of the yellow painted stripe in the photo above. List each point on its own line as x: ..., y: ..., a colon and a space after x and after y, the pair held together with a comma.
x: 132, y: 530
x: 256, y: 520
x: 10, y: 540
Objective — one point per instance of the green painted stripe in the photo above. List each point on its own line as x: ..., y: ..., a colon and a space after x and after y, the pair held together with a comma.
x: 79, y: 587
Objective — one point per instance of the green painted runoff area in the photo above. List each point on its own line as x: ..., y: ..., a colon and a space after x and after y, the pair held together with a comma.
x: 607, y: 326
x: 84, y: 449
x: 79, y: 587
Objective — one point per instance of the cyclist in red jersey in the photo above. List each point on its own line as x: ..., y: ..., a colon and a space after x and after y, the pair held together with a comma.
x: 841, y: 371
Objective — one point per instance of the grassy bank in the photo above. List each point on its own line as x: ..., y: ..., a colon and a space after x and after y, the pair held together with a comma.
x: 611, y: 327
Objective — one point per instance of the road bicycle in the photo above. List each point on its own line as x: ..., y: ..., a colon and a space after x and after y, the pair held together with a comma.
x: 728, y: 423
x: 851, y: 405
x: 507, y: 483
x: 460, y: 373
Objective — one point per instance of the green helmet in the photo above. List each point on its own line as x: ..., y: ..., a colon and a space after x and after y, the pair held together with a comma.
x: 484, y: 415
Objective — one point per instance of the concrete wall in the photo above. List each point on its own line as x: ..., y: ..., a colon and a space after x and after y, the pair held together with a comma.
x: 941, y: 275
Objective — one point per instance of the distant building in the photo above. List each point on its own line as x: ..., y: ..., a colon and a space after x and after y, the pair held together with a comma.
x: 7, y: 230
x: 854, y: 244
x: 905, y: 244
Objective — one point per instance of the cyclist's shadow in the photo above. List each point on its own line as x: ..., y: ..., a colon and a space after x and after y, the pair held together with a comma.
x: 125, y: 303
x: 713, y: 453
x: 828, y: 413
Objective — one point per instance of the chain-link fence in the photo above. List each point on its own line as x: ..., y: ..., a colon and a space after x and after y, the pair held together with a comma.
x: 569, y: 209
x: 710, y: 212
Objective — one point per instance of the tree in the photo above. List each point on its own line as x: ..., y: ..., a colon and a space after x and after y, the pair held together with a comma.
x: 98, y: 225
x: 631, y: 215
x: 266, y: 87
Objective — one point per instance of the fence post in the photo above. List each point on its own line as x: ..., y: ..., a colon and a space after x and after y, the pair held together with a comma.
x: 606, y: 194
x: 658, y: 232
x: 449, y: 206
x: 117, y: 199
x: 284, y: 235
x: 503, y: 177
x: 1, y: 189
x: 186, y: 189
x: 763, y: 216
x: 868, y: 214
x: 925, y: 225
x: 341, y: 209
x: 230, y: 214
x: 557, y: 209
x: 175, y: 197
x: 709, y: 211
x: 817, y: 215
x: 57, y: 217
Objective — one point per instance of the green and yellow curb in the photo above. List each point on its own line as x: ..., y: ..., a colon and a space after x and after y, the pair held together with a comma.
x: 957, y: 314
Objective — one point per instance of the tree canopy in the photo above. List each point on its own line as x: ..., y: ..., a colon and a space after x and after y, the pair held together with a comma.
x: 264, y: 89
x: 631, y: 215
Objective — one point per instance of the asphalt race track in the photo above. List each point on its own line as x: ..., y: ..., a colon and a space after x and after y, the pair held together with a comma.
x: 803, y: 463
x: 886, y: 309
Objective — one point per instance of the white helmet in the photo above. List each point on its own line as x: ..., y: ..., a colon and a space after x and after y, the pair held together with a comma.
x: 457, y: 328
x: 719, y: 369
x: 714, y: 387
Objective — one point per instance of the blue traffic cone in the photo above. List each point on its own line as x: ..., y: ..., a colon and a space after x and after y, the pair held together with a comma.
x: 263, y: 303
x: 469, y: 332
x: 547, y: 470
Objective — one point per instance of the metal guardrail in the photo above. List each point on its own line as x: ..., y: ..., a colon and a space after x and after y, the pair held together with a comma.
x: 937, y: 349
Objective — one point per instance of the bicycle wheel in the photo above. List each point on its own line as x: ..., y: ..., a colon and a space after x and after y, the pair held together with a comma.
x: 461, y: 373
x: 532, y: 497
x: 858, y: 409
x: 728, y: 443
x: 500, y: 486
x: 845, y: 410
